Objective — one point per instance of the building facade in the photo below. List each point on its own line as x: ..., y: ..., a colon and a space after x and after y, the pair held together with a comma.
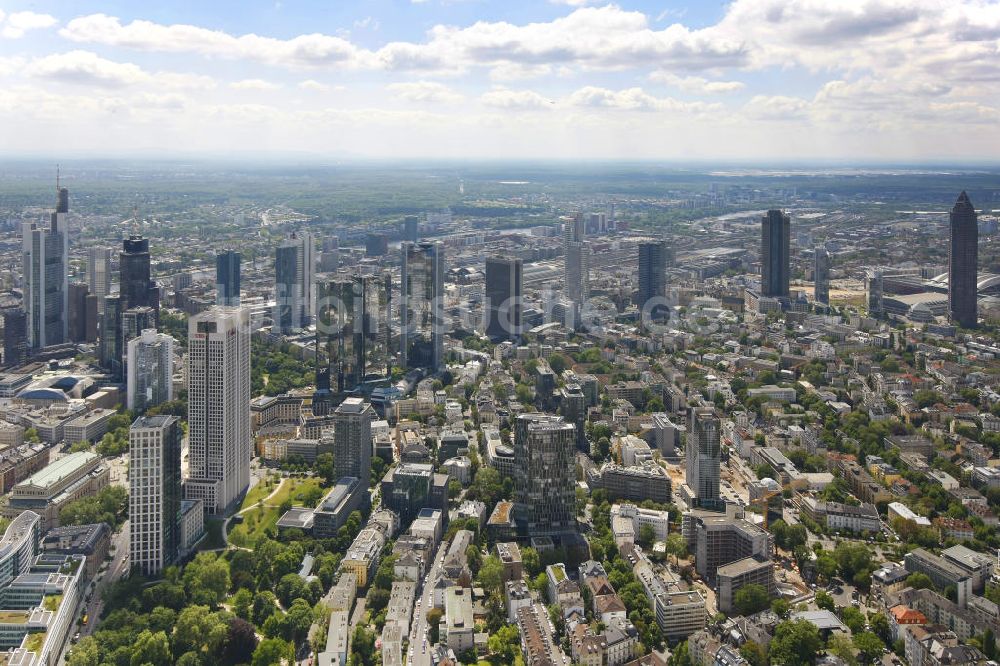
x: 775, y: 257
x: 544, y: 474
x: 963, y: 262
x: 150, y: 363
x: 154, y: 493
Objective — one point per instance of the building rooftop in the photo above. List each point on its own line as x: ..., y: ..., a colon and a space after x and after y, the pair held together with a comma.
x: 60, y: 469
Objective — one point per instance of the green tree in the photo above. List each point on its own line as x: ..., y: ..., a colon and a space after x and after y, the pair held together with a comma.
x: 490, y: 573
x: 272, y: 651
x: 198, y: 628
x: 206, y: 579
x: 754, y: 653
x: 869, y: 644
x: 504, y: 643
x: 680, y: 656
x: 795, y: 643
x: 751, y: 599
x: 781, y: 607
x: 85, y: 653
x: 242, y: 603
x: 152, y: 649
x: 825, y: 601
x: 919, y: 581
x: 841, y: 646
x: 433, y: 618
x: 646, y: 536
x: 853, y: 618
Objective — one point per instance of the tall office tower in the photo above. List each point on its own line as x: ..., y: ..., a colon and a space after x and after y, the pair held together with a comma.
x: 46, y: 278
x: 294, y: 275
x: 136, y: 288
x: 352, y: 439
x: 227, y: 278
x: 15, y: 337
x: 132, y: 323
x: 93, y: 317
x: 821, y: 275
x: 504, y: 298
x: 963, y: 263
x: 329, y: 259
x: 77, y: 312
x: 544, y: 474
x: 218, y: 377
x: 652, y: 277
x: 150, y: 367
x: 154, y: 498
x: 411, y: 228
x: 99, y: 274
x: 576, y: 259
x: 376, y: 245
x: 704, y: 455
x: 421, y: 306
x: 110, y: 347
x: 354, y: 313
x: 775, y: 257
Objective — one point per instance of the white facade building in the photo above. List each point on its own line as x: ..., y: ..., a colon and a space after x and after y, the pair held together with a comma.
x: 150, y: 369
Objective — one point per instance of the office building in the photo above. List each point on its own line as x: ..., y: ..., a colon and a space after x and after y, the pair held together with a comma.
x: 15, y: 337
x: 503, y: 298
x: 666, y: 435
x: 46, y: 282
x: 134, y: 321
x: 719, y: 539
x: 150, y: 370
x: 544, y: 474
x: 576, y: 258
x: 963, y: 263
x: 409, y: 487
x: 821, y: 275
x: 110, y: 341
x: 294, y: 276
x: 736, y: 575
x: 154, y: 503
x: 639, y: 483
x: 704, y: 455
x: 218, y: 378
x: 352, y: 439
x: 775, y: 257
x: 376, y: 245
x: 942, y: 571
x: 652, y: 278
x: 411, y: 228
x: 421, y: 307
x: 347, y: 496
x: 99, y: 274
x: 354, y: 314
x: 329, y: 258
x: 136, y: 289
x: 47, y: 491
x: 227, y: 278
x: 77, y: 303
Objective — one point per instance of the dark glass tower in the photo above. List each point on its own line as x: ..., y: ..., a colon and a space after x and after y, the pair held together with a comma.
x: 652, y: 275
x: 775, y: 257
x: 503, y: 298
x: 963, y: 263
x: 136, y: 288
x: 227, y: 278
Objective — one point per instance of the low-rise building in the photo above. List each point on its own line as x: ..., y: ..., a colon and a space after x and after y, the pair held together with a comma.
x: 347, y: 496
x: 736, y: 575
x: 458, y: 627
x: 47, y: 491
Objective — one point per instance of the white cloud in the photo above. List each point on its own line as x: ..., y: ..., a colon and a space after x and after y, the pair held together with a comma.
x: 311, y: 84
x: 515, y: 99
x: 86, y: 68
x: 776, y: 107
x: 696, y: 84
x: 367, y: 23
x: 254, y: 84
x: 574, y: 3
x: 635, y: 99
x: 18, y: 23
x: 424, y: 91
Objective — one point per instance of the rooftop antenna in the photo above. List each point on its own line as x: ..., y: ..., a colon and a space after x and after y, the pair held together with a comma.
x: 135, y: 219
x: 57, y: 177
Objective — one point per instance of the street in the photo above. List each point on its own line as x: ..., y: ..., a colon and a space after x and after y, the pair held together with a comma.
x: 419, y: 650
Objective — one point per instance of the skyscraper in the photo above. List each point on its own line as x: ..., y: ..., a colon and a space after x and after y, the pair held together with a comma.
x: 421, y: 307
x: 136, y: 288
x: 46, y: 284
x: 154, y: 493
x: 544, y: 474
x: 503, y: 298
x: 77, y: 301
x: 963, y: 263
x: 99, y: 274
x: 354, y: 313
x: 15, y: 337
x: 227, y: 278
x: 775, y: 257
x: 150, y: 370
x: 821, y: 275
x: 576, y: 258
x: 218, y: 376
x: 294, y: 275
x: 352, y: 439
x: 110, y: 345
x: 704, y: 454
x: 411, y: 228
x: 652, y: 277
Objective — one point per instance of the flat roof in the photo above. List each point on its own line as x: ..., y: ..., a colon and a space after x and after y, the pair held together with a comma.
x: 60, y: 469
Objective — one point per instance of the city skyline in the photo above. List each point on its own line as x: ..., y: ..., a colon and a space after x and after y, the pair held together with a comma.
x: 634, y: 80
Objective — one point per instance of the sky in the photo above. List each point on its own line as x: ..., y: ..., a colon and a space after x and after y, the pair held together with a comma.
x: 748, y: 80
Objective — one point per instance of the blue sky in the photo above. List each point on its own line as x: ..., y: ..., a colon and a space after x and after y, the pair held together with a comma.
x: 748, y: 79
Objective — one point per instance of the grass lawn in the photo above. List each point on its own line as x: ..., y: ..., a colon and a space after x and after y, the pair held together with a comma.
x: 255, y: 523
x: 51, y: 602
x: 295, y: 490
x: 259, y: 492
x: 213, y: 536
x: 34, y: 642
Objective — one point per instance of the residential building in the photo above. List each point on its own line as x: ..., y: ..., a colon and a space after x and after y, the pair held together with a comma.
x: 636, y: 484
x: 458, y: 627
x: 154, y: 493
x: 734, y: 576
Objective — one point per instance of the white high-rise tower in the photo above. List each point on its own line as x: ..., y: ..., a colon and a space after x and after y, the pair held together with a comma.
x: 150, y: 369
x: 218, y: 378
